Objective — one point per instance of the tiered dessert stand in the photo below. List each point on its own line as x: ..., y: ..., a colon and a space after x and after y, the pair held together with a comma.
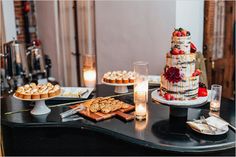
x: 40, y: 108
x: 179, y: 108
x: 119, y: 87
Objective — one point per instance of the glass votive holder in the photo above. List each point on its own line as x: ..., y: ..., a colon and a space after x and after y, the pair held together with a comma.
x: 216, y: 91
x: 140, y: 89
x: 89, y: 70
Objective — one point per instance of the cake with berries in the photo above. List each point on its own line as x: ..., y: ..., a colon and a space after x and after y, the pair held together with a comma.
x: 180, y: 80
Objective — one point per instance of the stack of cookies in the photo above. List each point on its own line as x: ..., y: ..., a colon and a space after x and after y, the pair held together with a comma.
x: 40, y: 91
x: 119, y: 77
x: 105, y: 105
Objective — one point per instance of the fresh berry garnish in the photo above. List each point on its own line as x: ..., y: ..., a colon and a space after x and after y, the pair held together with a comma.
x: 167, y: 96
x: 193, y: 48
x: 197, y: 72
x: 181, y: 29
x: 178, y: 34
x: 174, y: 33
x: 184, y: 33
x: 175, y: 51
x: 173, y: 75
x: 188, y: 33
x: 172, y: 97
x: 202, y: 85
x: 181, y: 52
x: 202, y: 92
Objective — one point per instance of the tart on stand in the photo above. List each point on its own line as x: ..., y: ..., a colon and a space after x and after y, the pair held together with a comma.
x: 38, y: 94
x: 119, y: 79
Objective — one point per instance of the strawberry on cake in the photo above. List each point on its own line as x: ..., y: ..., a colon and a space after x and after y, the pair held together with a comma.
x: 180, y: 80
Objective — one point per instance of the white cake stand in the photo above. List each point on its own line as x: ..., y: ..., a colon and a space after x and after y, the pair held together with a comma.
x: 40, y: 108
x: 119, y: 87
x: 179, y: 108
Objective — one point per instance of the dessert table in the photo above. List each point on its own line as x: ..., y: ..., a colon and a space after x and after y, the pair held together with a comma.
x: 161, y: 134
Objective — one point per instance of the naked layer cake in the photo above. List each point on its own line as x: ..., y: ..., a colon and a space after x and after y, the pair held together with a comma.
x: 180, y: 80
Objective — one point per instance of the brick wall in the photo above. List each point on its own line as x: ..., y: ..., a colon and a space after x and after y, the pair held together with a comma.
x: 20, y: 26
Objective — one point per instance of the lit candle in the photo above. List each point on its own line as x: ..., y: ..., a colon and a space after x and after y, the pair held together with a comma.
x: 90, y: 78
x: 140, y: 109
x: 140, y: 89
x: 141, y: 92
x: 215, y: 106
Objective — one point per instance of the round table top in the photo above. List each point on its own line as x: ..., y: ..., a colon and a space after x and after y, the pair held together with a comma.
x: 159, y: 131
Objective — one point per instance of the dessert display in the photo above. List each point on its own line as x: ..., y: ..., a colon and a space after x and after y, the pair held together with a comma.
x: 119, y: 77
x: 40, y: 91
x: 180, y: 80
x: 105, y: 105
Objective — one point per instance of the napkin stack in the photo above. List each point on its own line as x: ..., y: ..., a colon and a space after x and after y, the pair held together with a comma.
x: 216, y: 124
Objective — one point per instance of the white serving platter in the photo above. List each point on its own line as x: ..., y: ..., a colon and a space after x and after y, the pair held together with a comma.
x: 154, y: 79
x: 73, y: 93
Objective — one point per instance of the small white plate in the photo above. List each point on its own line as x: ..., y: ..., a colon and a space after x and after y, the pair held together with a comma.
x: 212, y: 121
x: 217, y: 132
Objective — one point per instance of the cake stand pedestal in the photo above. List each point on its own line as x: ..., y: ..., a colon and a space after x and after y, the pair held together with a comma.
x: 178, y: 112
x: 40, y: 108
x: 179, y: 108
x: 119, y: 87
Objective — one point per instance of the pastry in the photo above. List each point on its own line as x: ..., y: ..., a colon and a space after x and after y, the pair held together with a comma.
x: 119, y: 77
x: 112, y: 80
x: 33, y: 91
x: 104, y: 105
x: 44, y: 94
x: 19, y: 91
x: 35, y: 95
x: 119, y: 80
x: 131, y: 79
x: 27, y: 95
x: 32, y: 85
x: 52, y: 93
x: 26, y: 87
x: 125, y: 80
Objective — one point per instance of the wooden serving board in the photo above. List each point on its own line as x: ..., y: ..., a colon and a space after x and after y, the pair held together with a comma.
x: 99, y: 116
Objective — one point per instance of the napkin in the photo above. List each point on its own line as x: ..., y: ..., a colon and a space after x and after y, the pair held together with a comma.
x: 212, y: 121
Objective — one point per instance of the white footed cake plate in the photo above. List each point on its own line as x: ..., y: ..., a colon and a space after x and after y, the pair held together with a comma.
x: 119, y: 87
x: 186, y: 103
x: 40, y: 107
x: 179, y: 108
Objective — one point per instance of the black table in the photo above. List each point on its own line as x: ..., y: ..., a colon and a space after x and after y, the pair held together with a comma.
x: 160, y: 134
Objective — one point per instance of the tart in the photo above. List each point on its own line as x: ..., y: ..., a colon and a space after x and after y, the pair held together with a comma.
x: 52, y: 93
x: 32, y: 85
x: 19, y: 91
x: 131, y: 79
x: 119, y: 77
x: 119, y: 80
x: 44, y: 94
x: 57, y: 89
x: 26, y: 87
x: 27, y: 95
x: 33, y: 91
x: 35, y: 95
x: 126, y: 80
x: 112, y: 80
